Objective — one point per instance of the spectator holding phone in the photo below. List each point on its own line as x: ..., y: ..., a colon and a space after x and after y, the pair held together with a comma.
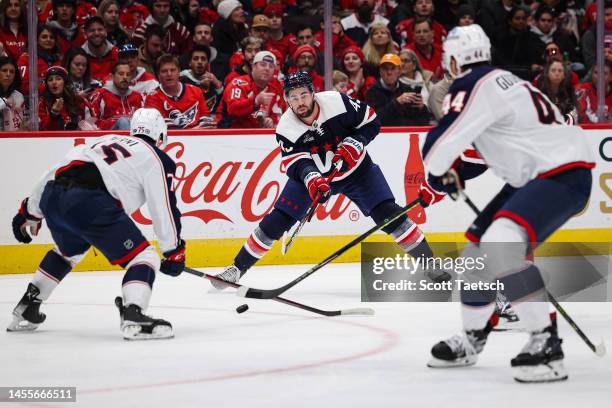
x: 412, y: 74
x: 396, y: 103
x: 76, y: 62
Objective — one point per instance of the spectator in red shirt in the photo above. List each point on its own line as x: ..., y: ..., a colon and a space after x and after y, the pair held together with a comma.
x: 131, y: 15
x: 255, y: 100
x: 182, y: 105
x: 305, y: 58
x: 352, y: 65
x: 59, y: 108
x: 48, y: 55
x: 340, y: 41
x: 44, y: 9
x: 13, y: 25
x: 178, y: 38
x: 109, y: 11
x: 63, y: 21
x: 11, y: 100
x: 277, y: 39
x: 102, y: 54
x: 586, y: 95
x: 114, y: 104
x: 423, y: 9
x: 428, y: 53
x: 250, y: 47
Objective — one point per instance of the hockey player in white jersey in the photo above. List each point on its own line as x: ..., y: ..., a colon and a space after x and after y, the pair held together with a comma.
x: 547, y: 166
x: 86, y: 199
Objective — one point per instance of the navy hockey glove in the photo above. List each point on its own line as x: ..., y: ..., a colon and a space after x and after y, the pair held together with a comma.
x: 449, y: 183
x: 174, y: 261
x: 318, y: 188
x: 24, y: 220
x: 349, y: 151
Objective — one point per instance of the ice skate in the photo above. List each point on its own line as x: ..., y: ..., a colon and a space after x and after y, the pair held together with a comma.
x: 438, y: 275
x: 26, y: 315
x: 137, y: 326
x: 541, y: 360
x: 508, y: 319
x: 230, y: 274
x: 461, y: 350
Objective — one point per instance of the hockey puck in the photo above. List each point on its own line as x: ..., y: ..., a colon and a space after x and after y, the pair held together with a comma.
x: 242, y: 308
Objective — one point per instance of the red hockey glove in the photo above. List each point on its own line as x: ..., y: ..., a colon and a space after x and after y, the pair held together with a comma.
x: 428, y: 195
x: 174, y: 261
x: 318, y: 188
x: 349, y: 151
x: 24, y: 220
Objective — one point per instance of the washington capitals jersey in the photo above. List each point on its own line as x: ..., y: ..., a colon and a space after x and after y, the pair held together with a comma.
x: 515, y: 128
x: 339, y: 117
x: 134, y: 172
x: 187, y: 110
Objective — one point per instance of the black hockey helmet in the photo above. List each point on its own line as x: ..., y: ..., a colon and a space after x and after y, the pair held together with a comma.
x: 297, y: 80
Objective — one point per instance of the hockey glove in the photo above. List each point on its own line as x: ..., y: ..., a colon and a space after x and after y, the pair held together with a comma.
x: 428, y: 195
x: 449, y: 183
x: 350, y: 152
x: 318, y: 188
x: 24, y: 220
x: 174, y: 261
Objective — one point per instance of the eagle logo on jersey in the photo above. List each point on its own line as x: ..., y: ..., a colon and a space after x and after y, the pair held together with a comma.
x: 183, y: 119
x: 285, y: 149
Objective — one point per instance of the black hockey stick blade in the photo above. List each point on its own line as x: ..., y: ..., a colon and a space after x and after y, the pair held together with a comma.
x: 254, y: 293
x: 600, y: 349
x: 357, y: 311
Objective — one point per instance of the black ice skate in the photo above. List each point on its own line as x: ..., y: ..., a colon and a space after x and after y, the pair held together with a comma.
x: 26, y: 315
x: 230, y: 274
x: 461, y: 350
x: 541, y: 360
x: 137, y: 326
x: 508, y: 319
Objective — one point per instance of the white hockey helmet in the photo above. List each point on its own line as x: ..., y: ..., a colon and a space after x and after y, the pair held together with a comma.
x: 468, y: 45
x: 149, y: 122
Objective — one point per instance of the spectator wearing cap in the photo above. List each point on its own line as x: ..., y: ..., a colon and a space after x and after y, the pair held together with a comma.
x: 102, y: 54
x: 340, y: 41
x: 109, y: 11
x: 76, y: 62
x: 277, y: 39
x: 63, y: 21
x: 11, y: 100
x: 422, y: 9
x: 231, y: 28
x: 152, y: 48
x: 131, y: 15
x: 250, y: 47
x: 113, y: 105
x: 200, y: 75
x: 352, y: 65
x: 47, y: 56
x: 357, y: 25
x: 140, y: 80
x: 260, y: 27
x: 395, y: 103
x: 255, y: 100
x: 177, y: 40
x: 59, y: 108
x: 426, y: 50
x: 13, y: 27
x: 305, y: 59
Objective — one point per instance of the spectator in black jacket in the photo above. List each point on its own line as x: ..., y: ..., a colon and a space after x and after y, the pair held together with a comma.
x: 395, y: 103
x: 231, y: 28
x: 492, y: 16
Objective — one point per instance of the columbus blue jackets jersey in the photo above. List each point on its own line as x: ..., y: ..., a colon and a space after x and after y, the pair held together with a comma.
x: 515, y: 128
x: 134, y: 172
x: 339, y: 117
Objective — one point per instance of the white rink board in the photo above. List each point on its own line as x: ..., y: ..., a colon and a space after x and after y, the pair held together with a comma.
x: 227, y: 183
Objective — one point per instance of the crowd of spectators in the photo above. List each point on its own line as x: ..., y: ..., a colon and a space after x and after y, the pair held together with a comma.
x: 220, y: 63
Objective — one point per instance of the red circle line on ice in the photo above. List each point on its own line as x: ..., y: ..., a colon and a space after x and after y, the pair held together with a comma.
x: 389, y: 341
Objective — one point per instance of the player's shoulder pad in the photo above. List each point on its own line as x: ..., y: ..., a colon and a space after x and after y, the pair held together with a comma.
x: 469, y: 80
x: 290, y: 127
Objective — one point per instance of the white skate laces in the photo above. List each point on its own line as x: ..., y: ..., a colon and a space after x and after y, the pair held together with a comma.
x: 230, y: 274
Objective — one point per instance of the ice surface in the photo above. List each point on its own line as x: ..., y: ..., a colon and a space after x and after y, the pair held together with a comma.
x: 275, y: 355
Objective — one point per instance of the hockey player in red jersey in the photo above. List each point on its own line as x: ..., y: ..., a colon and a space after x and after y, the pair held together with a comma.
x: 255, y: 100
x: 182, y: 105
x: 85, y: 200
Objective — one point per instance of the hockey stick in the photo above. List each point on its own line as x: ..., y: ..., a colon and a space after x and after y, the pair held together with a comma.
x: 600, y: 349
x: 361, y: 311
x: 286, y: 244
x: 254, y: 293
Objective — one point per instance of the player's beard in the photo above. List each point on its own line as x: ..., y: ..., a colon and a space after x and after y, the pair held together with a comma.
x: 308, y: 112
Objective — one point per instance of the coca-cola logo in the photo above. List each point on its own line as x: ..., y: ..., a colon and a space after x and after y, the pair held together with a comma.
x: 414, y: 178
x: 207, y: 184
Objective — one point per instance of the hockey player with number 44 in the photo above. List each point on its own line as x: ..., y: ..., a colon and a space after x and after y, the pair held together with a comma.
x: 86, y: 199
x: 318, y: 132
x: 547, y: 166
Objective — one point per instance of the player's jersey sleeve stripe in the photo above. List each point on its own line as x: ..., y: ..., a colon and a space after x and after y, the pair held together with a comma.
x: 368, y: 117
x: 287, y: 161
